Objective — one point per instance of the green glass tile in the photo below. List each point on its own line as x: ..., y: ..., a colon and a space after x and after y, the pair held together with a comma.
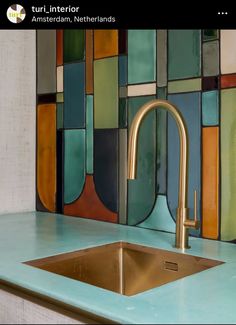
x: 210, y: 108
x: 46, y: 61
x: 141, y: 56
x: 89, y: 133
x: 210, y: 34
x: 182, y: 86
x: 122, y: 112
x: 74, y: 164
x: 106, y: 93
x: 161, y: 92
x: 160, y: 218
x: 59, y: 115
x: 141, y: 191
x: 184, y: 59
x: 74, y: 44
x: 123, y: 92
x: 228, y: 166
x: 211, y: 58
x: 123, y: 176
x: 60, y: 98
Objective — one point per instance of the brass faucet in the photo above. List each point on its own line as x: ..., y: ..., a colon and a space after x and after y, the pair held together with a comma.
x: 183, y: 223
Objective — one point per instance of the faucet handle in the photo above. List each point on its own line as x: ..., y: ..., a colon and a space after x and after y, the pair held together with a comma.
x: 193, y: 223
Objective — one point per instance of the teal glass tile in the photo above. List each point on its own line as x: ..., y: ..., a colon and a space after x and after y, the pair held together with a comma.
x: 123, y: 70
x: 141, y: 56
x: 210, y: 34
x: 210, y: 108
x: 89, y: 133
x: 74, y: 95
x: 160, y: 217
x: 74, y: 44
x: 141, y: 191
x: 74, y: 164
x: 161, y: 143
x: 161, y: 151
x: 59, y: 115
x: 184, y: 53
x: 122, y: 112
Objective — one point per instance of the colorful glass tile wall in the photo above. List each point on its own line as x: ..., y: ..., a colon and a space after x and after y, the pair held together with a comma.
x: 90, y: 84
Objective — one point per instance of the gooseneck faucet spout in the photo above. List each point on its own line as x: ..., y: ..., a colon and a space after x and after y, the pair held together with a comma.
x: 183, y: 223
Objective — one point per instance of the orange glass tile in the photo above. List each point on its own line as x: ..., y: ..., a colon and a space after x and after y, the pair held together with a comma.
x: 59, y: 46
x: 89, y: 61
x: 228, y: 80
x: 46, y: 155
x: 105, y: 43
x: 210, y: 182
x: 89, y: 205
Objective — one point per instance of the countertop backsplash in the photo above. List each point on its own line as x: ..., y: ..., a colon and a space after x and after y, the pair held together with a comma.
x: 90, y: 84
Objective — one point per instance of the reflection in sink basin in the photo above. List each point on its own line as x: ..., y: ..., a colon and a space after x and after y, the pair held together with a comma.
x: 123, y: 267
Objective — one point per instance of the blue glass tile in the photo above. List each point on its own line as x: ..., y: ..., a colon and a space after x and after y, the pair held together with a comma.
x: 190, y: 106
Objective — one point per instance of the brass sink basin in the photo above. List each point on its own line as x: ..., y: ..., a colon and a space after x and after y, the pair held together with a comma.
x: 123, y: 267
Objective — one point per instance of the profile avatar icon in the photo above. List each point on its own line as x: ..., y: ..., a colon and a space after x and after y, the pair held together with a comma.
x: 16, y: 13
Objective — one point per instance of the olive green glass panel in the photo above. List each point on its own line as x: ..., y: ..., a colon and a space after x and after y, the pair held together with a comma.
x: 106, y: 93
x: 141, y: 191
x: 74, y: 44
x: 184, y: 60
x: 60, y: 98
x: 184, y: 86
x: 74, y: 164
x: 141, y: 56
x: 228, y: 164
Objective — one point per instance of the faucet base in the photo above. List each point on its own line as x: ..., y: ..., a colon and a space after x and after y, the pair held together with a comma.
x: 180, y: 247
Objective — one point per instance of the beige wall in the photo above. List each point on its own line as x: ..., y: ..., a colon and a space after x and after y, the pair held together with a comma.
x: 17, y: 120
x: 19, y: 308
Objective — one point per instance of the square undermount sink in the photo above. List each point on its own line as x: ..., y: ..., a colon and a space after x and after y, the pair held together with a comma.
x: 123, y: 267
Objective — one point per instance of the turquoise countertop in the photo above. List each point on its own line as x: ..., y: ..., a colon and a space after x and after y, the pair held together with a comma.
x: 205, y: 297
